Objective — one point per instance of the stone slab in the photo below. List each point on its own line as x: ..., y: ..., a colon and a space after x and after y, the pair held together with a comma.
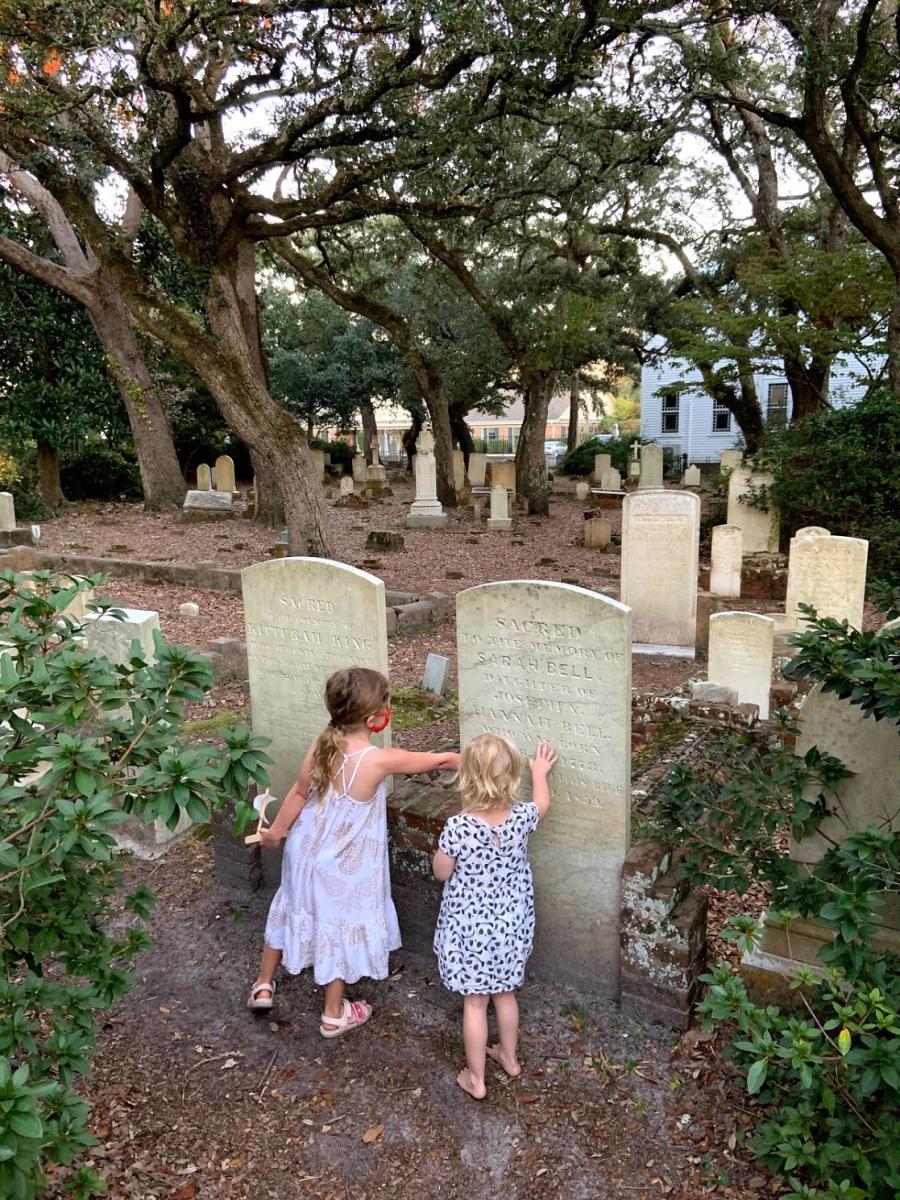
x: 740, y: 656
x: 759, y: 528
x: 548, y: 661
x: 437, y: 669
x: 660, y: 554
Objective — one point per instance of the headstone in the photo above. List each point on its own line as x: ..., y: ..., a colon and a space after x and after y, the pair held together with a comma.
x: 376, y: 458
x: 112, y: 638
x: 204, y: 478
x: 318, y: 461
x: 459, y: 470
x: 347, y: 488
x: 692, y: 477
x: 597, y: 532
x: 810, y: 531
x: 660, y: 551
x: 189, y: 609
x: 548, y: 661
x: 651, y: 466
x: 830, y: 574
x: 225, y: 481
x: 207, y: 506
x: 504, y: 474
x: 437, y: 668
x: 759, y: 527
x: 634, y: 470
x: 385, y: 539
x: 7, y: 512
x: 730, y: 459
x: 359, y: 468
x: 727, y: 555
x: 740, y: 656
x: 582, y: 490
x: 611, y: 480
x: 499, y: 518
x: 305, y: 619
x: 426, y: 511
x: 477, y: 469
x: 602, y: 462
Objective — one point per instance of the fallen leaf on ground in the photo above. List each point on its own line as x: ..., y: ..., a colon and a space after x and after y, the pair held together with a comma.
x: 372, y: 1134
x: 527, y: 1097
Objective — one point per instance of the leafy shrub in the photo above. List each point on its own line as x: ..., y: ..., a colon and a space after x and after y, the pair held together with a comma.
x: 828, y: 1076
x: 96, y: 741
x: 9, y: 472
x: 100, y: 471
x: 580, y: 461
x: 19, y: 476
x: 839, y: 469
x: 341, y: 452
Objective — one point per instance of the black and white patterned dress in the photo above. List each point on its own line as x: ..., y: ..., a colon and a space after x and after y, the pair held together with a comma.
x: 485, y: 929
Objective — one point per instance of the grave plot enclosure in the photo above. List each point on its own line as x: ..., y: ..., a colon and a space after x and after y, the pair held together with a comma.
x: 305, y: 618
x: 551, y: 662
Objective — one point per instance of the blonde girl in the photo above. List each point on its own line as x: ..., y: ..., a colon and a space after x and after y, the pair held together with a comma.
x: 334, y: 910
x: 486, y: 924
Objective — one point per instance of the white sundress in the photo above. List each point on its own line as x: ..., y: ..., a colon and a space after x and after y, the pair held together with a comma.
x: 485, y: 929
x: 334, y: 910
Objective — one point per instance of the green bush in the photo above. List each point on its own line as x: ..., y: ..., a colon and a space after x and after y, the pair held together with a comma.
x: 22, y: 480
x: 839, y: 469
x: 827, y: 1077
x: 580, y: 461
x: 100, y: 471
x: 82, y: 743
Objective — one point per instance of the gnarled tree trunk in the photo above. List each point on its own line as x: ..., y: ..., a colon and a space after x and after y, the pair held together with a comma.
x: 269, y: 505
x: 49, y: 483
x: 369, y: 427
x: 459, y: 427
x: 574, y: 410
x: 531, y: 464
x: 161, y: 477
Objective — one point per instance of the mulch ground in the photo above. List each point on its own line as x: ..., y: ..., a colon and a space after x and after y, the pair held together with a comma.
x: 193, y: 1097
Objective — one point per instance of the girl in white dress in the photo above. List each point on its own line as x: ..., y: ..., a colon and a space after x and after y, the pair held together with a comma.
x: 334, y: 910
x: 485, y: 927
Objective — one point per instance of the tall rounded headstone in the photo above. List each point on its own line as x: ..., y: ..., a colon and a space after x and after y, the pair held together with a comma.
x: 552, y: 662
x: 726, y: 558
x: 759, y: 526
x: 740, y: 656
x: 204, y: 478
x: 651, y: 466
x: 828, y: 573
x: 225, y: 481
x: 305, y: 619
x: 660, y: 555
x: 7, y: 512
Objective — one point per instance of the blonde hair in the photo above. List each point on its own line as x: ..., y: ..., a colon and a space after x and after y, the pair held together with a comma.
x: 490, y: 772
x: 351, y: 695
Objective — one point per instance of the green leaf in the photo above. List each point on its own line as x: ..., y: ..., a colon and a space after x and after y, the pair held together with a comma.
x: 756, y: 1076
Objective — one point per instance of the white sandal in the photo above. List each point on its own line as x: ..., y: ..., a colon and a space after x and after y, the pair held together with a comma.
x: 355, y: 1013
x: 253, y: 1001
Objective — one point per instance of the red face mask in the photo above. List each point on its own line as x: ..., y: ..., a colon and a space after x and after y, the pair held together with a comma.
x: 380, y: 721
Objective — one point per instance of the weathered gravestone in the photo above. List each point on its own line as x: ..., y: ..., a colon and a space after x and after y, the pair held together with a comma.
x: 459, y: 470
x: 726, y: 559
x: 207, y: 506
x: 204, y: 478
x: 225, y: 481
x: 651, y: 466
x: 740, y: 656
x: 759, y: 527
x: 359, y: 468
x: 729, y: 459
x: 582, y: 490
x: 611, y: 480
x: 597, y: 532
x: 7, y: 512
x: 828, y: 573
x: 346, y: 486
x: 692, y: 477
x: 305, y: 619
x: 504, y: 475
x: 477, y: 469
x: 318, y: 461
x: 602, y: 462
x: 551, y: 662
x: 660, y: 552
x: 499, y: 518
x: 426, y: 511
x: 437, y: 668
x: 871, y: 749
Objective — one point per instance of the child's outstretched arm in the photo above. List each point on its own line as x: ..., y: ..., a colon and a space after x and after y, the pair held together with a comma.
x: 291, y: 806
x: 442, y: 865
x: 413, y: 762
x: 541, y: 765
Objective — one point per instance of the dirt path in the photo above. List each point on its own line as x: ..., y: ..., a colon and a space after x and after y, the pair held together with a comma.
x: 194, y: 1097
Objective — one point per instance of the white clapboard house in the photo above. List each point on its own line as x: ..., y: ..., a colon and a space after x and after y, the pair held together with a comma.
x: 693, y: 425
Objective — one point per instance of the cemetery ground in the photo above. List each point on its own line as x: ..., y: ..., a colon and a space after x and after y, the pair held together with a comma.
x: 194, y: 1097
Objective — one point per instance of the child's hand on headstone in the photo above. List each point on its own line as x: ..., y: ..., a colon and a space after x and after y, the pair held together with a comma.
x: 545, y: 758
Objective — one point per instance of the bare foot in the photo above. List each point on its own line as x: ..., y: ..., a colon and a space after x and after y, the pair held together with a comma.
x: 509, y: 1065
x: 464, y: 1079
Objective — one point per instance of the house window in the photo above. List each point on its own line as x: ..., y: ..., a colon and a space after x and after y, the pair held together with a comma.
x: 670, y: 412
x: 721, y: 418
x: 776, y: 406
x: 492, y: 435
